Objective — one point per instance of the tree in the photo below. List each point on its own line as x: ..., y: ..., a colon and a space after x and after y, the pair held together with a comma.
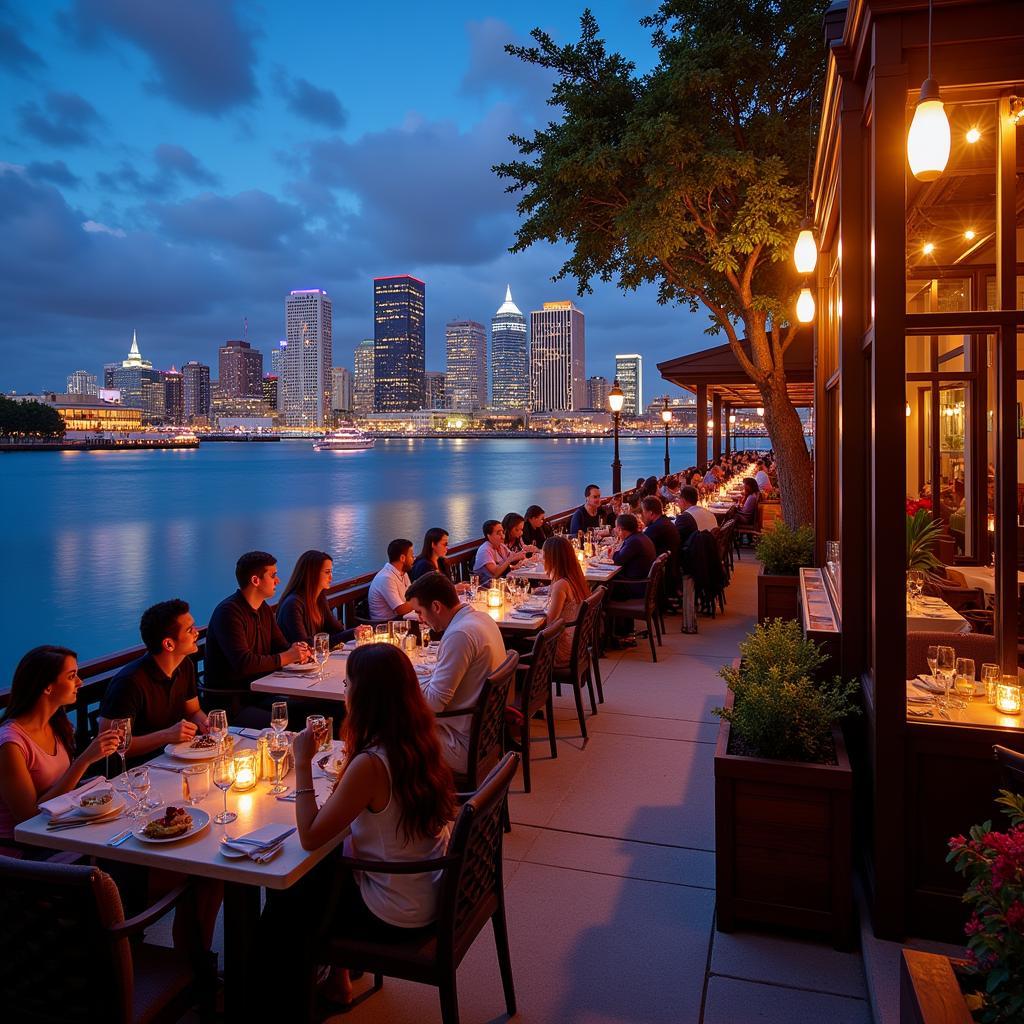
x: 690, y: 177
x: 29, y: 419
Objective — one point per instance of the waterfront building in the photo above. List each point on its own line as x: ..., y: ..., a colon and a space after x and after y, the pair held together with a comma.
x: 240, y: 370
x: 399, y: 343
x: 466, y: 375
x: 174, y: 397
x: 139, y: 384
x: 362, y: 378
x: 270, y: 391
x: 305, y: 383
x: 88, y: 413
x: 435, y: 390
x: 510, y: 370
x: 81, y: 382
x: 195, y: 386
x: 597, y: 392
x: 341, y: 389
x: 557, y: 358
x: 629, y: 371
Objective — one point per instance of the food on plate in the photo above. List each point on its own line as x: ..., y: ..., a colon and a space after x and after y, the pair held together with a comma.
x: 331, y: 764
x: 202, y: 743
x: 97, y: 799
x: 174, y: 822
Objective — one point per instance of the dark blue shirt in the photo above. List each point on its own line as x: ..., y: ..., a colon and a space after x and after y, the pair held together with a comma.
x: 636, y: 555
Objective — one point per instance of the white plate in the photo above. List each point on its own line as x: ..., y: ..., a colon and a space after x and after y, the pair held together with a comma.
x: 185, y: 752
x: 309, y: 666
x: 230, y: 852
x: 200, y: 819
x: 114, y: 807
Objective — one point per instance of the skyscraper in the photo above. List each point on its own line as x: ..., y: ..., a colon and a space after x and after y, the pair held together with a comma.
x: 510, y: 371
x: 81, y: 382
x: 270, y: 392
x: 629, y: 369
x: 195, y: 386
x: 435, y: 391
x: 557, y: 358
x: 240, y: 370
x: 399, y: 344
x: 341, y: 389
x: 174, y: 396
x: 277, y: 367
x: 362, y: 378
x: 137, y: 381
x: 305, y: 383
x: 466, y: 375
x: 597, y: 393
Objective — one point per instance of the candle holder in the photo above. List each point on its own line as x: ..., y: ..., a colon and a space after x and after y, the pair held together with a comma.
x: 494, y: 598
x: 245, y: 771
x: 1008, y: 696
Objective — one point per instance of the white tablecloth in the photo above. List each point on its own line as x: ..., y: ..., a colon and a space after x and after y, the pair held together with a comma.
x: 932, y: 615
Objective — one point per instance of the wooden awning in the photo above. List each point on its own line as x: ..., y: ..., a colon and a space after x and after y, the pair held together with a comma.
x: 720, y: 371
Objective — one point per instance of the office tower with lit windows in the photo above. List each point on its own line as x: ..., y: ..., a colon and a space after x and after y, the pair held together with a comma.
x: 597, y: 393
x: 195, y: 388
x: 174, y: 396
x: 435, y: 390
x: 629, y: 371
x: 341, y: 389
x: 399, y: 343
x: 270, y: 391
x: 304, y: 387
x: 510, y: 370
x: 362, y: 378
x: 466, y: 373
x: 81, y: 382
x: 240, y: 370
x: 139, y: 384
x: 557, y: 358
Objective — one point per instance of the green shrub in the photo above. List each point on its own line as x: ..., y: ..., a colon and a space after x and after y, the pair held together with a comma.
x: 922, y: 535
x: 779, y: 710
x: 783, y: 550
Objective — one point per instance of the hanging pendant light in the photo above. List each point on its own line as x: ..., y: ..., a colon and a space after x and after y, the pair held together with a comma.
x: 805, y: 251
x: 928, y: 140
x: 805, y: 306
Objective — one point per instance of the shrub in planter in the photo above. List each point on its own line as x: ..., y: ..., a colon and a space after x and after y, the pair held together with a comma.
x: 783, y: 550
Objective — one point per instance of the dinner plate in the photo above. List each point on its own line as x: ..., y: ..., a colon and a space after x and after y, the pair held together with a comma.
x: 200, y: 820
x: 185, y: 752
x: 295, y: 666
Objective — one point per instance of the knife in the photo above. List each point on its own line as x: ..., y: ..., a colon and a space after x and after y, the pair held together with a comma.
x: 121, y: 837
x: 64, y: 826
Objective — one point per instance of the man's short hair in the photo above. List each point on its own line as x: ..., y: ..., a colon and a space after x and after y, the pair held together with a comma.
x: 397, y: 548
x: 653, y: 505
x: 533, y: 510
x: 689, y: 494
x: 160, y: 622
x: 589, y: 488
x: 489, y: 525
x: 253, y: 563
x: 627, y: 522
x: 431, y: 587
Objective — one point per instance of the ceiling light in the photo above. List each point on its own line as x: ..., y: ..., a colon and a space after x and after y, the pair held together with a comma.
x: 973, y: 134
x: 928, y: 248
x: 969, y: 234
x: 928, y: 140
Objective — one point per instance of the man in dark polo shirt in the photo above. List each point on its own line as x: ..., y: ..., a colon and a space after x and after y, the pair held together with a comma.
x: 590, y: 515
x: 243, y: 639
x: 158, y: 691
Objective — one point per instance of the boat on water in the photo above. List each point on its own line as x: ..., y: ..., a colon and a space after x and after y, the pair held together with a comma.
x: 344, y: 439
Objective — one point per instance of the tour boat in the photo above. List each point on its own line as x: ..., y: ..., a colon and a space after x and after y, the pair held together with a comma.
x: 344, y: 439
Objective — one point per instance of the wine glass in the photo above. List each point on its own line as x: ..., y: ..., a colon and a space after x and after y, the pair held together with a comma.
x: 224, y: 779
x: 945, y: 665
x: 964, y: 681
x: 317, y: 725
x: 279, y: 715
x: 932, y: 657
x: 321, y: 651
x: 218, y: 726
x: 915, y: 586
x: 123, y: 727
x: 278, y: 744
x: 401, y: 631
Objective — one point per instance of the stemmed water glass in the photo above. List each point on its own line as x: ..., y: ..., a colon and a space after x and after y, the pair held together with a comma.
x: 277, y: 747
x: 945, y: 666
x: 400, y: 628
x: 123, y: 727
x: 964, y: 688
x: 932, y: 658
x: 218, y: 727
x: 321, y: 651
x: 139, y: 785
x: 224, y: 779
x: 915, y: 586
x: 279, y: 715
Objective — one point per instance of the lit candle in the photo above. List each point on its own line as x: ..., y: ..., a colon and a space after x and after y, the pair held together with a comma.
x: 245, y: 770
x: 1008, y: 696
x: 494, y: 597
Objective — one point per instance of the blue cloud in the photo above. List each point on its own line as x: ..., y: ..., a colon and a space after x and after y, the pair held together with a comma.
x: 16, y: 56
x: 319, y: 106
x: 65, y: 119
x: 56, y: 172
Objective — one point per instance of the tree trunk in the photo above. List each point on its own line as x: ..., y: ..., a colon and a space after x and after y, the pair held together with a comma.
x: 791, y: 456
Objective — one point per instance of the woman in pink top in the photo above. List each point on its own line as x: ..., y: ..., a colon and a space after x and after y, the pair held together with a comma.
x: 37, y: 740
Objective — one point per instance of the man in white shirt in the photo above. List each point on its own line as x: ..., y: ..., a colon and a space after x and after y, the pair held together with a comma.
x: 764, y: 481
x: 387, y: 598
x: 694, y: 517
x: 470, y: 650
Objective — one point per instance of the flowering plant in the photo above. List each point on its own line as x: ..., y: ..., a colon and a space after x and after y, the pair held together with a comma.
x: 918, y: 504
x: 993, y: 863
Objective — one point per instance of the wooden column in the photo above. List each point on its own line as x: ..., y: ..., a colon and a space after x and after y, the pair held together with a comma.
x: 716, y: 427
x: 728, y: 429
x: 702, y: 427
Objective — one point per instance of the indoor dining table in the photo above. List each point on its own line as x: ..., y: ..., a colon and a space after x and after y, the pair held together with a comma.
x: 199, y: 856
x: 933, y: 615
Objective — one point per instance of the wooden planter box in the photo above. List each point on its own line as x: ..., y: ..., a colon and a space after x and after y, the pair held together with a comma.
x: 783, y: 837
x: 778, y: 597
x: 929, y: 992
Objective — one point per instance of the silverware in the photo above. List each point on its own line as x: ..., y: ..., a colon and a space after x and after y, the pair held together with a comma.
x: 945, y: 714
x: 121, y: 837
x: 166, y: 767
x: 260, y: 842
x: 64, y: 826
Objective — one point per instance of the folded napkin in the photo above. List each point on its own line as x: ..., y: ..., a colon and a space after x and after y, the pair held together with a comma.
x: 67, y: 802
x: 923, y: 683
x: 259, y: 839
x: 249, y: 734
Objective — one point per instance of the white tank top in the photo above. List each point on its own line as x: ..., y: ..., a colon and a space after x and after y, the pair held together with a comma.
x: 406, y: 901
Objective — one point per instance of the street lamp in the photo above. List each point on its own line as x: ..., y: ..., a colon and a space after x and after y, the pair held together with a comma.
x: 615, y: 401
x: 666, y: 418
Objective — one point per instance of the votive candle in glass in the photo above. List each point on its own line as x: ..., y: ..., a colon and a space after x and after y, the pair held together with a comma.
x: 245, y: 770
x: 494, y: 597
x: 1008, y: 696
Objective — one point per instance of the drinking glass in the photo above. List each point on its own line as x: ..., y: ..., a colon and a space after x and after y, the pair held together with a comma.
x: 218, y: 727
x: 945, y: 666
x: 139, y: 786
x: 401, y: 629
x: 277, y: 747
x: 195, y: 783
x: 381, y: 633
x: 123, y: 726
x: 474, y: 586
x: 279, y: 715
x: 964, y: 680
x: 224, y: 779
x: 321, y: 651
x: 317, y: 724
x: 915, y: 585
x: 933, y: 654
x: 990, y: 675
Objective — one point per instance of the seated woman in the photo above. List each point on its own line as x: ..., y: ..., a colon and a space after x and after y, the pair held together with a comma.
x: 304, y: 611
x: 513, y: 524
x: 397, y: 796
x: 37, y: 742
x: 747, y: 505
x: 432, y: 557
x: 669, y: 490
x: 536, y: 529
x: 568, y: 591
x: 494, y: 558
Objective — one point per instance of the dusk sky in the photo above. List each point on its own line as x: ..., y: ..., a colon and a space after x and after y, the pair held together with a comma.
x: 173, y: 168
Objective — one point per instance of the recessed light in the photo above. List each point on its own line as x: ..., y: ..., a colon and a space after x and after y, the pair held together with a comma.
x: 928, y: 248
x: 969, y: 234
x: 973, y: 134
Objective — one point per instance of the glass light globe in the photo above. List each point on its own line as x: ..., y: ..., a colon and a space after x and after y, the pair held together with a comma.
x: 805, y: 306
x: 928, y: 140
x: 805, y: 252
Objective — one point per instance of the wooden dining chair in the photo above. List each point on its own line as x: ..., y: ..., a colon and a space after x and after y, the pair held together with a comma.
x: 579, y: 672
x: 643, y: 608
x: 1011, y: 768
x: 69, y: 956
x: 471, y: 894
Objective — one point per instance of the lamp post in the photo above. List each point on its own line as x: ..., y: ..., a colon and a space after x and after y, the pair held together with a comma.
x: 615, y: 401
x: 666, y: 418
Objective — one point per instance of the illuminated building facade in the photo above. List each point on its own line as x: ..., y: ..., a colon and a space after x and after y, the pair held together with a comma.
x: 304, y: 387
x: 195, y: 387
x: 362, y: 378
x: 557, y: 358
x: 466, y: 376
x: 341, y: 389
x: 597, y: 392
x: 81, y: 382
x: 240, y: 370
x: 629, y: 370
x: 510, y: 371
x: 435, y: 390
x: 399, y: 343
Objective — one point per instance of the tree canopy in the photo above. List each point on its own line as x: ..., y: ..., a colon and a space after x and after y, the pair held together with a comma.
x: 29, y: 419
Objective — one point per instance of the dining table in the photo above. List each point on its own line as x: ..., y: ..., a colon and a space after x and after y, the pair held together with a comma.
x: 199, y: 855
x: 933, y: 615
x: 307, y: 684
x: 594, y: 570
x: 983, y: 577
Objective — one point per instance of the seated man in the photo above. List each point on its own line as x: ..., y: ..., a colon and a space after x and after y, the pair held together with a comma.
x: 494, y: 558
x: 635, y: 553
x: 158, y: 691
x: 243, y: 639
x: 589, y: 515
x: 764, y: 481
x: 694, y: 517
x: 387, y: 590
x: 665, y: 538
x: 470, y: 650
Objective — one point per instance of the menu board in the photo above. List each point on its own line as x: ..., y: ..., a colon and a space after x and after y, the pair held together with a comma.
x: 816, y: 605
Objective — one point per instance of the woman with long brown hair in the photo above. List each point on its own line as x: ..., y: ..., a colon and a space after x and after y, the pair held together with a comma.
x: 569, y: 590
x: 396, y: 794
x: 304, y: 611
